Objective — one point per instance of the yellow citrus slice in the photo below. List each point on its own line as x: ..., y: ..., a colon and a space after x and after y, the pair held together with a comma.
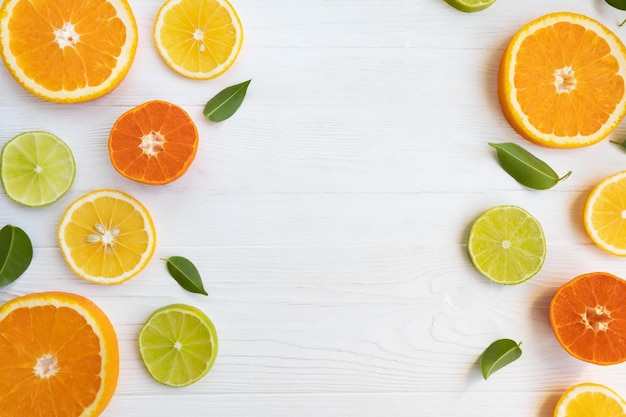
x: 69, y: 51
x: 107, y: 237
x: 561, y: 81
x: 198, y: 39
x: 58, y: 356
x: 604, y: 214
x: 590, y: 400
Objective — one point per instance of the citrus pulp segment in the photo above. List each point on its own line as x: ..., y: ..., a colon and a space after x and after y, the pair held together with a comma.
x: 153, y: 143
x: 198, y: 39
x: 178, y: 345
x: 604, y: 214
x: 107, y: 236
x: 58, y: 356
x: 506, y: 244
x: 590, y: 400
x: 470, y: 6
x: 36, y: 168
x: 588, y: 317
x: 561, y: 81
x: 70, y: 51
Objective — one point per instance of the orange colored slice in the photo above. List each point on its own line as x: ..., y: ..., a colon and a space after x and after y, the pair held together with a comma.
x: 588, y: 317
x: 561, y: 81
x: 198, y: 39
x: 107, y: 237
x: 604, y: 214
x: 153, y: 143
x: 68, y: 51
x: 58, y: 356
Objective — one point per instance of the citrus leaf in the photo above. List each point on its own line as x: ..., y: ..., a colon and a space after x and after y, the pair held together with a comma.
x: 226, y: 102
x: 618, y: 4
x: 526, y: 168
x: 16, y: 252
x: 499, y: 354
x: 186, y: 274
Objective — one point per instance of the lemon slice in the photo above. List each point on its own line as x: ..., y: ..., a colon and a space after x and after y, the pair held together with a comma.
x: 178, y: 345
x: 199, y: 40
x: 36, y: 168
x: 106, y: 237
x: 470, y: 6
x: 506, y: 244
x: 589, y: 399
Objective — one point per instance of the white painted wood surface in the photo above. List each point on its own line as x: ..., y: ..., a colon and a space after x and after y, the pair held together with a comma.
x: 328, y: 217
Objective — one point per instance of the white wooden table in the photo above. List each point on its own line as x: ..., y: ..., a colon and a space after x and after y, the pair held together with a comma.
x: 329, y: 216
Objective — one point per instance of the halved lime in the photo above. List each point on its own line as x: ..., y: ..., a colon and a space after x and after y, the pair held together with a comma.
x: 470, y: 5
x: 507, y: 245
x: 36, y: 168
x: 178, y: 345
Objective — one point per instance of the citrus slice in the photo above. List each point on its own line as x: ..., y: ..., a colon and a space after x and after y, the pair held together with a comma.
x: 68, y: 51
x: 178, y: 345
x: 36, y: 168
x: 198, y: 39
x: 153, y: 143
x: 106, y: 237
x: 561, y: 81
x: 470, y: 6
x: 588, y: 317
x: 506, y: 244
x: 590, y: 400
x: 59, y: 356
x: 604, y: 214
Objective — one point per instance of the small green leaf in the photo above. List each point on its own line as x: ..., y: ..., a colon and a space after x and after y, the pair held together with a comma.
x: 226, y: 102
x: 499, y: 354
x: 620, y: 144
x: 185, y: 273
x: 618, y: 4
x: 526, y: 168
x: 16, y: 252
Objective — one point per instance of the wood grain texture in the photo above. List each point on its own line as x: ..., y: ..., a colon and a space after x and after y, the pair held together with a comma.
x: 329, y: 216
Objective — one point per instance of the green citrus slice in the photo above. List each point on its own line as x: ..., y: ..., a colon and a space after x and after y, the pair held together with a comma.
x: 36, y: 168
x: 506, y: 244
x: 178, y: 345
x: 470, y: 5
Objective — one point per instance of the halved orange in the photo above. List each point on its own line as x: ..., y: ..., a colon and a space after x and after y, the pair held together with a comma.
x: 58, y: 356
x: 107, y: 236
x: 561, y: 81
x: 153, y: 143
x: 198, y: 39
x: 588, y: 317
x: 68, y: 51
x: 604, y: 214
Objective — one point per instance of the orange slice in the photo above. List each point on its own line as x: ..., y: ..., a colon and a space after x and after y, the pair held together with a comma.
x: 107, y: 237
x: 58, y: 356
x: 604, y: 214
x: 590, y: 400
x: 69, y: 51
x: 561, y: 81
x: 198, y: 39
x: 153, y: 143
x: 588, y: 317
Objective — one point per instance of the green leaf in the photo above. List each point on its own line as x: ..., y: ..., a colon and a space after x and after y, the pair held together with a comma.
x: 226, y: 102
x: 186, y: 274
x: 618, y: 4
x: 16, y: 252
x: 499, y: 354
x: 526, y: 168
x: 622, y: 144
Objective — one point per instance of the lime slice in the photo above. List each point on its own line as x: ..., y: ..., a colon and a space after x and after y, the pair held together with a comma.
x: 470, y: 5
x: 178, y: 345
x: 36, y: 168
x: 507, y: 245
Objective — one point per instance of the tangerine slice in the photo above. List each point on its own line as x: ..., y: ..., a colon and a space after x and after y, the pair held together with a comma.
x: 561, y: 81
x: 69, y: 51
x: 153, y: 143
x: 583, y: 399
x: 588, y: 317
x: 58, y: 356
